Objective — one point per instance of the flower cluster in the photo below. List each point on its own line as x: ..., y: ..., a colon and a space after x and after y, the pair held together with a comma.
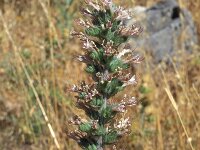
x: 108, y: 57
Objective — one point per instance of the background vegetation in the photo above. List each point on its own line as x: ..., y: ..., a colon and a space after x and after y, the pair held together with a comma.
x: 36, y: 65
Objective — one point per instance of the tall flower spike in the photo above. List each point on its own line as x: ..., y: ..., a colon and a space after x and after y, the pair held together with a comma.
x: 108, y: 58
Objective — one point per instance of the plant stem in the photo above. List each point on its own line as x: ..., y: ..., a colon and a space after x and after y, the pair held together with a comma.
x: 100, y: 140
x: 100, y: 143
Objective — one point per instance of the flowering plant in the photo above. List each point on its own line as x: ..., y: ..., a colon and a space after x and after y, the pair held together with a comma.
x: 108, y: 58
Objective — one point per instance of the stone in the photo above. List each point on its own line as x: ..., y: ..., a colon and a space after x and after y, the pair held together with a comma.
x: 167, y: 28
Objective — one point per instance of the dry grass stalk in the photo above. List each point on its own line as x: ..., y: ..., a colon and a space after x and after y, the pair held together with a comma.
x: 52, y: 27
x: 171, y: 98
x: 179, y: 116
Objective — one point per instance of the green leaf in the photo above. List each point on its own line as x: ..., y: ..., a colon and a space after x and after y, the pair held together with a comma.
x: 102, y: 17
x: 107, y: 15
x: 92, y: 147
x: 82, y: 95
x: 107, y: 112
x: 118, y: 39
x: 97, y: 102
x: 100, y: 131
x: 95, y: 31
x: 115, y: 63
x: 111, y: 137
x: 115, y: 25
x: 110, y: 35
x: 85, y: 127
x: 97, y: 55
x: 112, y: 87
x: 90, y: 69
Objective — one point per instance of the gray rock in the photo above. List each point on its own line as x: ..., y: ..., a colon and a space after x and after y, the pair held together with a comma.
x: 167, y: 29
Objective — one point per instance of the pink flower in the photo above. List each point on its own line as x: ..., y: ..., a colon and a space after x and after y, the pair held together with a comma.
x: 119, y: 108
x: 131, y: 102
x: 107, y: 2
x: 122, y: 14
x: 123, y: 124
x: 123, y: 52
x: 83, y: 23
x: 131, y: 81
x: 109, y: 24
x: 89, y: 45
x: 91, y: 3
x: 134, y: 30
x: 86, y: 12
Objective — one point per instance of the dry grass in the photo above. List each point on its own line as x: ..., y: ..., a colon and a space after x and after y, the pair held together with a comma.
x: 168, y: 116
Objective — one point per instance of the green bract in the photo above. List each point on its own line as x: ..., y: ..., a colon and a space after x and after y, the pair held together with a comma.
x: 85, y: 127
x: 93, y: 31
x: 116, y: 63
